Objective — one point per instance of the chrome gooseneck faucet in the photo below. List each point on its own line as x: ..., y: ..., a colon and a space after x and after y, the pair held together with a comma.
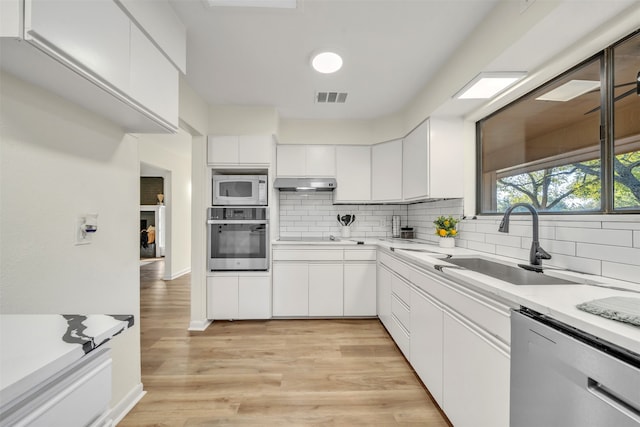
x: 537, y: 254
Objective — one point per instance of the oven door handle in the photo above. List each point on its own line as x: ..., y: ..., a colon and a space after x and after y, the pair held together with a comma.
x: 242, y: 221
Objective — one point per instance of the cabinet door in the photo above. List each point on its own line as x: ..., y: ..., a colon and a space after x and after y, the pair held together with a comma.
x: 94, y: 35
x: 254, y: 297
x: 291, y: 160
x: 154, y: 80
x: 290, y: 289
x: 222, y: 297
x: 222, y: 150
x: 386, y: 171
x: 415, y: 174
x: 254, y: 149
x: 320, y: 160
x: 426, y: 342
x: 383, y: 295
x: 476, y: 376
x: 326, y: 290
x: 353, y: 174
x: 360, y: 289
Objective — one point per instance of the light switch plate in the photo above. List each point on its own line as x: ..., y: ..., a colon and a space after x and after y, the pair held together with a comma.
x: 82, y: 238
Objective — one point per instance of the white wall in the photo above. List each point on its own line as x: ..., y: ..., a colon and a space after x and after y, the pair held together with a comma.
x: 58, y: 161
x: 242, y: 120
x: 173, y: 153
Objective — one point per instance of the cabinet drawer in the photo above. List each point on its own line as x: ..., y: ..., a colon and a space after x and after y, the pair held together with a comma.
x: 401, y: 289
x: 401, y: 337
x: 401, y: 312
x: 360, y: 254
x: 308, y: 255
x: 489, y: 314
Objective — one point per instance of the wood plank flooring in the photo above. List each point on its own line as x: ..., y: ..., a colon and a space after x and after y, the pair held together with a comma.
x: 269, y: 373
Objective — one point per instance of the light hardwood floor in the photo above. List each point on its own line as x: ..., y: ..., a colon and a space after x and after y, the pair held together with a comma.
x: 269, y: 373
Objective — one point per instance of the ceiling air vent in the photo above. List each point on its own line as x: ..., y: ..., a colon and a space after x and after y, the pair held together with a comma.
x: 331, y: 97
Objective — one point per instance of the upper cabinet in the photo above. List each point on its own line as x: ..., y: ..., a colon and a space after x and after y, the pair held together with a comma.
x: 97, y: 57
x: 353, y: 174
x: 432, y: 160
x: 386, y: 172
x: 306, y: 160
x: 240, y: 150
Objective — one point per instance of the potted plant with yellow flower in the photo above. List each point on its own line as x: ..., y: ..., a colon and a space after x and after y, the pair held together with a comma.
x: 446, y: 229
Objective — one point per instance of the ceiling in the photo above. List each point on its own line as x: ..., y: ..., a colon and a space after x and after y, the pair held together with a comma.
x: 391, y: 49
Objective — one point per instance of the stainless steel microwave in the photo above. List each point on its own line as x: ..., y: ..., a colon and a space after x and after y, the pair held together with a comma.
x: 239, y: 190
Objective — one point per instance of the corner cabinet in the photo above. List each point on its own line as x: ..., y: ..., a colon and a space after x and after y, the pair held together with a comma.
x: 353, y: 174
x: 97, y: 57
x: 432, y: 156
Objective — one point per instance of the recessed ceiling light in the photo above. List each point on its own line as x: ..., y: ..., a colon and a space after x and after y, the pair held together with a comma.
x: 487, y: 85
x: 326, y: 62
x: 569, y: 90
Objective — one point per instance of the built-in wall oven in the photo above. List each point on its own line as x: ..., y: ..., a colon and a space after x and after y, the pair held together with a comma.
x: 238, y: 238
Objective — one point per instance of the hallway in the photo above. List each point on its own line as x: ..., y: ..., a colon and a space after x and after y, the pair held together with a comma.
x: 269, y: 373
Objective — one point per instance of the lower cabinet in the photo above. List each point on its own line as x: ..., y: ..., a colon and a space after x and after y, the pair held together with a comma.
x: 238, y: 297
x: 476, y: 376
x: 360, y: 289
x: 326, y: 282
x: 455, y: 338
x: 427, y: 342
x: 326, y: 286
x: 383, y: 295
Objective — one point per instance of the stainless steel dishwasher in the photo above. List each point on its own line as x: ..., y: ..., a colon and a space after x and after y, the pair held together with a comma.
x: 564, y: 377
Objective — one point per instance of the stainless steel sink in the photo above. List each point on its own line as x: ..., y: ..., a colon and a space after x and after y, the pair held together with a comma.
x: 507, y: 273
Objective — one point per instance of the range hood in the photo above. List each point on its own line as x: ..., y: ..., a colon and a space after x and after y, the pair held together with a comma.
x: 305, y: 184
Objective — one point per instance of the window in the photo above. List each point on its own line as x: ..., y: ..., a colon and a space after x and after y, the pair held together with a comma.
x: 550, y: 148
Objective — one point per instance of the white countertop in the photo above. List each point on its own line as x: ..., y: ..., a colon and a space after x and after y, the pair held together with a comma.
x: 556, y: 301
x: 35, y: 347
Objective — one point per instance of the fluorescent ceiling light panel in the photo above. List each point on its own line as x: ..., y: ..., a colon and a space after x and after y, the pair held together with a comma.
x: 488, y: 85
x: 571, y: 89
x: 280, y: 4
x: 326, y: 62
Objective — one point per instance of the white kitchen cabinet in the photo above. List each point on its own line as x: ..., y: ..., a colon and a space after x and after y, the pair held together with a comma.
x: 415, y: 160
x: 306, y: 160
x: 91, y: 53
x: 290, y: 289
x: 353, y: 174
x: 234, y: 150
x: 154, y: 80
x: 360, y: 289
x: 326, y: 290
x: 386, y: 171
x: 383, y: 294
x: 238, y: 297
x: 432, y: 160
x: 427, y: 342
x: 254, y: 297
x: 476, y: 375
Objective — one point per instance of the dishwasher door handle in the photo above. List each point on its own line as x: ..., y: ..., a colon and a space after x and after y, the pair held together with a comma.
x: 613, y: 399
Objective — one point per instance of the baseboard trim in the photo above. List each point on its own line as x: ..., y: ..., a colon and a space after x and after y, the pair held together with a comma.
x: 199, y: 325
x: 178, y: 274
x: 120, y: 410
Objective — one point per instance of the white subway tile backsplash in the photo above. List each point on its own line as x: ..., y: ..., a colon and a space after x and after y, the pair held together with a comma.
x: 504, y: 240
x: 619, y: 225
x: 521, y: 254
x: 600, y: 236
x: 583, y: 265
x: 553, y: 246
x: 621, y: 271
x: 480, y: 246
x: 609, y: 253
x: 636, y: 239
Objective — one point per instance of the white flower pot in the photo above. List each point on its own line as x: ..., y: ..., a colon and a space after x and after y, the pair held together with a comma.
x: 447, y: 242
x: 346, y: 231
